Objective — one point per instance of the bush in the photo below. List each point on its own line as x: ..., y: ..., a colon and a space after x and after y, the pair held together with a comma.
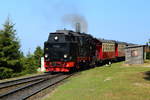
x: 5, y: 72
x: 29, y: 65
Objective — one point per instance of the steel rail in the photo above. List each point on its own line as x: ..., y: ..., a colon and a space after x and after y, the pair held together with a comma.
x: 22, y: 80
x: 46, y: 86
x: 33, y: 88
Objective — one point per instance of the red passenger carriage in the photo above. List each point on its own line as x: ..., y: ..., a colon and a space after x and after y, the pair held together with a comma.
x: 105, y: 50
x: 120, y: 50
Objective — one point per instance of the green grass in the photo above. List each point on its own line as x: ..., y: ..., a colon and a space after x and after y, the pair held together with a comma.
x: 118, y: 82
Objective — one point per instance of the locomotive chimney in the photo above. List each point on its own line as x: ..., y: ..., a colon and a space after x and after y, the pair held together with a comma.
x: 78, y: 27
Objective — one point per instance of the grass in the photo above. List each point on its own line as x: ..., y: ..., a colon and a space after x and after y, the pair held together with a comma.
x: 118, y: 82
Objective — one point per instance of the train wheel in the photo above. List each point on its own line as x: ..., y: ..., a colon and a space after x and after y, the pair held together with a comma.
x: 72, y: 70
x: 52, y: 73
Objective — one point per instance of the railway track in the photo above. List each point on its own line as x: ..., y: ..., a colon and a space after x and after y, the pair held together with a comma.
x: 22, y: 80
x: 26, y: 91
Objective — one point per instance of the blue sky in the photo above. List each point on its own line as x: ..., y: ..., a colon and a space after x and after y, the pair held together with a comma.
x: 123, y: 20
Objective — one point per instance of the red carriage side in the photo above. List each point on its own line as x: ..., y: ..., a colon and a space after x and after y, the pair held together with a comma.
x: 105, y: 50
x: 120, y: 52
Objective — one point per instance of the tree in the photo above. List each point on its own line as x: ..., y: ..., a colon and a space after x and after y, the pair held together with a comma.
x: 38, y: 53
x: 29, y: 64
x: 9, y: 48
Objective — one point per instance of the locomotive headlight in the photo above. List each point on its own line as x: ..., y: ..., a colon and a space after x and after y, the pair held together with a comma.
x: 46, y: 55
x: 65, y: 55
x: 56, y: 38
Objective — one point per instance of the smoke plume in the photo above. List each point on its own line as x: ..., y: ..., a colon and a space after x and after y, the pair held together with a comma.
x: 72, y: 19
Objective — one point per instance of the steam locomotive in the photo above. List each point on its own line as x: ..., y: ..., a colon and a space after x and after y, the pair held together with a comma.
x: 67, y: 50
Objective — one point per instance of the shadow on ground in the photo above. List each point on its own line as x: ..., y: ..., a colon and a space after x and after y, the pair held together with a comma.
x: 147, y: 75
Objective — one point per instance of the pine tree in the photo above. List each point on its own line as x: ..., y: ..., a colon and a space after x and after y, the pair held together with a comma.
x: 9, y: 48
x: 1, y: 46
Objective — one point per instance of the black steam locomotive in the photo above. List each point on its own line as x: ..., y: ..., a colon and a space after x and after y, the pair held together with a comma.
x: 66, y: 50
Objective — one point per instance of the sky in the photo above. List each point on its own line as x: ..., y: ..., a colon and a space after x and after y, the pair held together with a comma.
x: 123, y: 20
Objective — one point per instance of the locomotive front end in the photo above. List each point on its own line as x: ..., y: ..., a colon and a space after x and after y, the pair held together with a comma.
x: 59, y: 53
